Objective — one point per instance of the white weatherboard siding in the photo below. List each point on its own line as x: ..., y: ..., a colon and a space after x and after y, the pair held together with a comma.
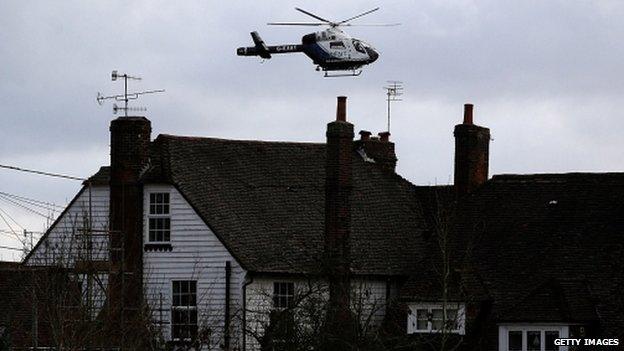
x: 66, y: 241
x: 197, y: 254
x: 368, y: 301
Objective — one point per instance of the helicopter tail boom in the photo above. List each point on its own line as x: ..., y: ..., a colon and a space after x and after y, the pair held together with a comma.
x: 264, y: 51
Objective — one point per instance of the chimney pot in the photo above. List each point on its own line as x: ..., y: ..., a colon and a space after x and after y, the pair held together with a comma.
x: 341, y: 109
x: 379, y: 148
x: 365, y: 135
x: 468, y: 113
x: 384, y: 136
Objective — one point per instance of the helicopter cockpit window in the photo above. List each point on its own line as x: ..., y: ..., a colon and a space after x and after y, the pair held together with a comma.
x: 336, y: 45
x: 358, y: 46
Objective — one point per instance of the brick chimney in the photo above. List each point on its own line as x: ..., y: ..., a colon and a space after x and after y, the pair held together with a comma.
x: 338, y: 185
x: 380, y: 149
x: 472, y: 145
x: 130, y: 140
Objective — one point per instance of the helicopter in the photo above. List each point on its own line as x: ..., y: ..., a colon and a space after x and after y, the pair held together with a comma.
x: 331, y: 50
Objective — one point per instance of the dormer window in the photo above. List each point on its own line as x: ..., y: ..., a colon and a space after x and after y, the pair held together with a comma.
x: 159, y: 218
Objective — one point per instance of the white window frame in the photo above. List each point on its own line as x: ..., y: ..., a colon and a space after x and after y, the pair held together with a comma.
x: 412, y: 321
x: 183, y: 308
x: 151, y: 215
x: 504, y: 329
x: 289, y: 297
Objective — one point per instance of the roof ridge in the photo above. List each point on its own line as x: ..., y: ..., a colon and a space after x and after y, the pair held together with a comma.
x: 198, y: 138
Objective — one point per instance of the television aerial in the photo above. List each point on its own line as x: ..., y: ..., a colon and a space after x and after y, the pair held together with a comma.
x: 331, y: 50
x: 126, y: 96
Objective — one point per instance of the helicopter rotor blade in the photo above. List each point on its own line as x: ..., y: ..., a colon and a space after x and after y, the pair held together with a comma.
x: 312, y: 15
x: 295, y: 24
x: 358, y: 16
x: 371, y: 25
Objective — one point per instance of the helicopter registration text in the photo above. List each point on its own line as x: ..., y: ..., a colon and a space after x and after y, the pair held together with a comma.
x: 280, y: 48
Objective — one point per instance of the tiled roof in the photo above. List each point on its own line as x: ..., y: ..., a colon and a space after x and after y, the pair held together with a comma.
x: 548, y: 246
x: 554, y: 301
x: 265, y: 201
x: 101, y: 177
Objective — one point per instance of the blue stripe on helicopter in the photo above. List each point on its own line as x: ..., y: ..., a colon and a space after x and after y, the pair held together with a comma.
x: 316, y: 51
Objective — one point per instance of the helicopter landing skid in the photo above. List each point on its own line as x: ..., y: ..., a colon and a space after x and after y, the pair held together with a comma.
x: 354, y: 73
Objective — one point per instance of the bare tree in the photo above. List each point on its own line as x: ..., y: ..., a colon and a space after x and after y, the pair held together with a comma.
x: 67, y: 287
x: 301, y: 324
x: 440, y: 286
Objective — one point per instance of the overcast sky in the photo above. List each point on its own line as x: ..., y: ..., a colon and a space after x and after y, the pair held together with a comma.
x: 545, y: 76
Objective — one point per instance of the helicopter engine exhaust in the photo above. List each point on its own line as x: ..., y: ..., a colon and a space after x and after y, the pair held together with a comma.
x: 264, y: 51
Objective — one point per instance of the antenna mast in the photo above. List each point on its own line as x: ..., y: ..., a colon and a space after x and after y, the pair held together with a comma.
x: 394, y: 89
x: 125, y: 96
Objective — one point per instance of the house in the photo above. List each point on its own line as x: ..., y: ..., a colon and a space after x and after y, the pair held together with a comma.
x: 532, y: 258
x: 539, y: 257
x: 214, y: 234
